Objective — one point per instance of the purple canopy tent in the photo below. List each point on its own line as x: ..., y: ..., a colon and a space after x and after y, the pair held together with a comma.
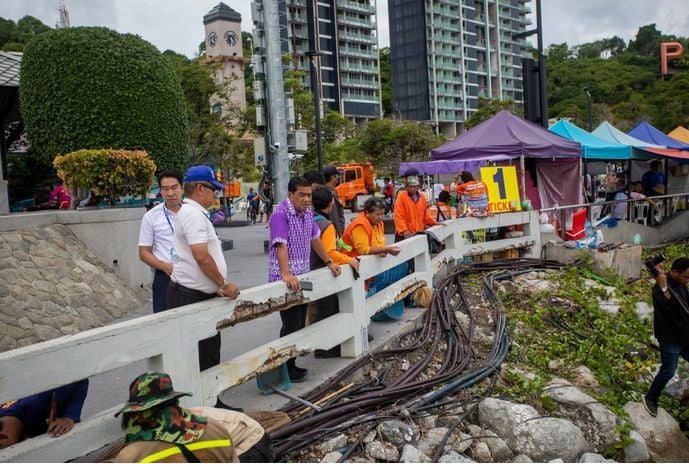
x: 511, y: 137
x: 432, y: 168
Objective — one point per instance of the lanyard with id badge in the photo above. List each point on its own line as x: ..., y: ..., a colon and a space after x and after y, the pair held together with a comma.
x: 173, y: 256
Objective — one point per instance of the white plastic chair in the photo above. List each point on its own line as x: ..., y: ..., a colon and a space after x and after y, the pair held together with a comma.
x: 641, y: 213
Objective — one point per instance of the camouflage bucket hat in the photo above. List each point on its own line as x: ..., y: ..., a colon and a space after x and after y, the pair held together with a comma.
x: 149, y: 390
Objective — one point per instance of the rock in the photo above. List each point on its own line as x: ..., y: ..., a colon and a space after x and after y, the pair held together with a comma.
x: 452, y: 456
x: 370, y: 436
x: 643, y: 310
x: 462, y: 442
x: 593, y: 457
x: 44, y: 287
x: 637, y: 451
x: 521, y: 458
x: 585, y: 377
x: 541, y: 438
x: 664, y: 439
x: 332, y: 457
x: 411, y: 454
x: 480, y: 452
x: 497, y: 446
x: 610, y: 306
x: 45, y: 332
x: 397, y: 432
x: 25, y: 323
x: 555, y: 364
x: 447, y: 420
x: 382, y: 451
x: 558, y: 460
x: 427, y: 422
x: 431, y: 439
x: 335, y: 443
x: 474, y: 430
x: 596, y: 421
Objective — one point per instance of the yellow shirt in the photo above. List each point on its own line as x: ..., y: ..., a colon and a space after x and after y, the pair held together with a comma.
x: 361, y: 243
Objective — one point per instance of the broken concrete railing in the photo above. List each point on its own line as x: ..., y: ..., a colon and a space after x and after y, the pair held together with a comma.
x: 168, y: 341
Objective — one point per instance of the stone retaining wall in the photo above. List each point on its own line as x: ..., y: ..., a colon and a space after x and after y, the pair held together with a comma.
x: 52, y: 285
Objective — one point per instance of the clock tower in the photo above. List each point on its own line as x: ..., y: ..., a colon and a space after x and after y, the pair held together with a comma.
x: 224, y: 48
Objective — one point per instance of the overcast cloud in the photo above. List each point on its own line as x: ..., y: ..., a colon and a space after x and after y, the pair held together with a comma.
x: 178, y: 24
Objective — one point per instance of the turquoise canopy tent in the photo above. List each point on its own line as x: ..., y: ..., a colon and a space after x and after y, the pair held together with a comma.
x: 592, y: 147
x: 609, y: 132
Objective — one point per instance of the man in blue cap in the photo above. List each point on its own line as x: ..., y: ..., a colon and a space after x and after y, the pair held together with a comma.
x: 200, y: 271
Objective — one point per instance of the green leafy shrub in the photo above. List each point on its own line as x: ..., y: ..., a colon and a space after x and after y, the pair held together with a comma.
x: 108, y: 173
x: 94, y: 87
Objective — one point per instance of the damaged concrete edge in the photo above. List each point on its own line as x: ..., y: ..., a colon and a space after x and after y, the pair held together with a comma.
x: 248, y: 310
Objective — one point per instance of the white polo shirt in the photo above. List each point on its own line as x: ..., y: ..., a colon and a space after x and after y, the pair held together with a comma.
x: 157, y: 229
x: 193, y: 227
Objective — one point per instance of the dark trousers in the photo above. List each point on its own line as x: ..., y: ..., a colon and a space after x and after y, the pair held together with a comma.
x: 293, y: 319
x: 262, y: 451
x: 209, y: 348
x: 326, y: 307
x: 159, y: 287
x: 669, y: 357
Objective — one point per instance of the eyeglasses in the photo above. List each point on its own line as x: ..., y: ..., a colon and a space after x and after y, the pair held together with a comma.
x: 216, y: 191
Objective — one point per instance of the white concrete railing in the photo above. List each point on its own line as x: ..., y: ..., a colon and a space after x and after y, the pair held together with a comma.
x: 168, y: 340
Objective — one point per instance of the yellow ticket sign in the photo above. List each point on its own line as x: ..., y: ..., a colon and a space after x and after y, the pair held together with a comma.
x: 503, y: 190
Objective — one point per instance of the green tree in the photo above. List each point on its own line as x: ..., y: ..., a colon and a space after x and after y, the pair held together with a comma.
x: 13, y: 37
x: 558, y: 53
x: 117, y: 92
x: 647, y: 41
x: 389, y: 142
x: 487, y: 108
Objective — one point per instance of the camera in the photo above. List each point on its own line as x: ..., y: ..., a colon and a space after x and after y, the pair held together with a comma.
x: 652, y: 264
x: 276, y: 146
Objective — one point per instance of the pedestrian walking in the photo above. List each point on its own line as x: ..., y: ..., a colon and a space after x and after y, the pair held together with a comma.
x: 199, y: 271
x: 670, y: 326
x: 156, y: 233
x: 293, y: 234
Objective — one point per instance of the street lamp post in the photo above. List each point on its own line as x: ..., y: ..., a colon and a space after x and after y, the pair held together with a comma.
x: 590, y: 108
x: 316, y: 88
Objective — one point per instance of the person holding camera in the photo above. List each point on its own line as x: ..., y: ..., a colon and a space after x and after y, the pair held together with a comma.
x: 670, y: 323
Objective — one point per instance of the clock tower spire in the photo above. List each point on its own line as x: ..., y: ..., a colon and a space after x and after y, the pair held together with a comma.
x: 224, y: 47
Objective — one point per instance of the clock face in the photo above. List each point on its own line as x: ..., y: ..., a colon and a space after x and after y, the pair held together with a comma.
x: 231, y: 38
x: 212, y: 39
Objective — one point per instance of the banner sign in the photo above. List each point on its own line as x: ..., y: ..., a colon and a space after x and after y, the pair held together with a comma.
x: 503, y: 189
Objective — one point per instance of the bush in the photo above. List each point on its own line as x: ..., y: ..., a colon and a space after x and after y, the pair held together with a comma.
x: 108, y: 173
x: 94, y: 87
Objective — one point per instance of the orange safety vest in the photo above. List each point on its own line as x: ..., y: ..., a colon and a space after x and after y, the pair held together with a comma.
x: 360, y: 220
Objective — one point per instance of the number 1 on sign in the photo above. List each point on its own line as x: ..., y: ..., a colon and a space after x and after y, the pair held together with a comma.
x: 499, y: 178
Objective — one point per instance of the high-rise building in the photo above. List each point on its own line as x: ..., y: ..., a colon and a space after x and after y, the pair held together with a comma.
x: 447, y: 53
x: 345, y: 42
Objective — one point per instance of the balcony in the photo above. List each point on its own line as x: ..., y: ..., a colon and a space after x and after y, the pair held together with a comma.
x: 344, y: 19
x: 356, y: 37
x: 356, y: 6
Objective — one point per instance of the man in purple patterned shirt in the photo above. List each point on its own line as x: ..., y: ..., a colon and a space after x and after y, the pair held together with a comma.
x: 293, y: 232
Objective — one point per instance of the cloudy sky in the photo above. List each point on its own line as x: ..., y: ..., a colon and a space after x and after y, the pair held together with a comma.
x: 178, y: 24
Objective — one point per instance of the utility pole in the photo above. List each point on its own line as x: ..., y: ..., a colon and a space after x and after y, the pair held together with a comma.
x: 541, y: 68
x: 276, y: 98
x: 590, y: 109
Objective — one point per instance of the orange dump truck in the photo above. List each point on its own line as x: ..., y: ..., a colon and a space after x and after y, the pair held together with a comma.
x: 356, y: 184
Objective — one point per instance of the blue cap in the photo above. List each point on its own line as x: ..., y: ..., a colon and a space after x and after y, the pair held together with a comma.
x: 202, y: 173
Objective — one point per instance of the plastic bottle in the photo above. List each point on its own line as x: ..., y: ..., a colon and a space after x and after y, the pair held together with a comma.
x: 636, y: 240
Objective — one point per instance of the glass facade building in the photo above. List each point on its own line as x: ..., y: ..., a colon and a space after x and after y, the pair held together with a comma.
x: 446, y: 53
x: 344, y: 37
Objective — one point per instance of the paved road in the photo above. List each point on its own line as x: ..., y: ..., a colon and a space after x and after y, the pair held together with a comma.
x: 248, y: 268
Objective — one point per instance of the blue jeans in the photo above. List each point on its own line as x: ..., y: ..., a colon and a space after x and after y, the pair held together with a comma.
x: 669, y: 357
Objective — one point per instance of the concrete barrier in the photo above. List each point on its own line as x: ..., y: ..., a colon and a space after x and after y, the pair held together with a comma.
x: 111, y: 234
x: 168, y: 341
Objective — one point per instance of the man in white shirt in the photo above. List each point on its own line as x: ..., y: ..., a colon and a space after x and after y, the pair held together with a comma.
x: 199, y: 271
x: 155, y: 236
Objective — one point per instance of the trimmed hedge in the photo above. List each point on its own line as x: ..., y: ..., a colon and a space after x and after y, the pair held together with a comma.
x: 108, y: 173
x: 94, y: 87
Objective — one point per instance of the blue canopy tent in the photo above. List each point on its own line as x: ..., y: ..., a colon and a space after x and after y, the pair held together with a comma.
x: 646, y: 132
x: 592, y: 147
